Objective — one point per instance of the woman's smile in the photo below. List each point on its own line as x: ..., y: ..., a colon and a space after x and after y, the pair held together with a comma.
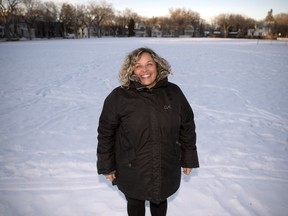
x: 145, y: 69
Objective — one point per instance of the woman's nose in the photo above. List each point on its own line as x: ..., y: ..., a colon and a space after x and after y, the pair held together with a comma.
x: 144, y: 68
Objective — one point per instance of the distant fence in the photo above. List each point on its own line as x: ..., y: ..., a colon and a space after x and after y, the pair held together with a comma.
x: 283, y: 41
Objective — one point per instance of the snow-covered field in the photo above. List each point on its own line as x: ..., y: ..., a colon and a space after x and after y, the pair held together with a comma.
x: 51, y: 95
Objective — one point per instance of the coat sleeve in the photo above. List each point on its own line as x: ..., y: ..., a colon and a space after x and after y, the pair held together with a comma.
x: 187, y: 138
x: 108, y: 124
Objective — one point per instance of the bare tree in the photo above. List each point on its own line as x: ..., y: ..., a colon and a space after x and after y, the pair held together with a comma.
x: 183, y: 19
x: 87, y: 19
x: 178, y: 18
x: 150, y: 24
x: 236, y: 23
x: 51, y: 15
x: 281, y: 26
x: 8, y: 12
x: 100, y: 12
x: 111, y: 25
x: 67, y: 16
x: 245, y: 24
x: 164, y: 24
x: 31, y: 12
x: 224, y: 22
x: 80, y: 18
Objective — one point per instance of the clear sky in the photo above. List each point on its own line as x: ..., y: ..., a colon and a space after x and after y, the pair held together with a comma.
x: 207, y: 9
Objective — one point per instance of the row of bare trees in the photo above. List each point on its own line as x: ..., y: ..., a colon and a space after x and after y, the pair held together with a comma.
x: 240, y: 24
x: 227, y: 23
x: 51, y: 20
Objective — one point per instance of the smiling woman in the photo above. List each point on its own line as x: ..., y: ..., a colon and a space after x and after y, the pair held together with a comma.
x: 145, y: 63
x: 146, y: 134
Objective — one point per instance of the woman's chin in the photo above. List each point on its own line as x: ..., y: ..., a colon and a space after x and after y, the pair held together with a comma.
x: 148, y: 84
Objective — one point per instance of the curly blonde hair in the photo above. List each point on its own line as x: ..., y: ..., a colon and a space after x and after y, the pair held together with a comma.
x: 127, y: 68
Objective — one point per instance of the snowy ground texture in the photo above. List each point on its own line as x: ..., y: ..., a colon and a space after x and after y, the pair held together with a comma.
x: 51, y: 95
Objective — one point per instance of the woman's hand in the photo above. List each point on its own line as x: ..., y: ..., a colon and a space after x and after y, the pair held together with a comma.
x: 111, y: 176
x: 187, y: 171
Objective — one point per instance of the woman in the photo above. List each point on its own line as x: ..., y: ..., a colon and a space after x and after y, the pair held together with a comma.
x: 146, y: 134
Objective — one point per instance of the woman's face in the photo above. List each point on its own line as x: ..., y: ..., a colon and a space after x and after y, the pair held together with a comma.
x: 145, y: 69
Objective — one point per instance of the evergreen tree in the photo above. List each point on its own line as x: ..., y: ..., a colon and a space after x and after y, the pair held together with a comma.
x: 131, y: 28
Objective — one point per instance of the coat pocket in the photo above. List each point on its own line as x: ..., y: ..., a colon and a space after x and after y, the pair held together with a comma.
x: 178, y: 149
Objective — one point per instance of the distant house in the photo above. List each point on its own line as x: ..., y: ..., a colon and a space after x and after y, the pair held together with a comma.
x: 217, y: 33
x: 263, y: 29
x: 257, y: 32
x: 189, y: 31
x: 19, y: 30
x: 23, y: 31
x: 206, y: 33
x: 140, y: 29
x: 156, y: 32
x: 169, y: 33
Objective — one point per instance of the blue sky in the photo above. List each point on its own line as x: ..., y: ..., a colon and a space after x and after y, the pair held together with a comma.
x: 207, y: 9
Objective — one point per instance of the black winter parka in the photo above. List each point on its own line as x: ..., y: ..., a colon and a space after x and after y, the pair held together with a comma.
x: 146, y: 136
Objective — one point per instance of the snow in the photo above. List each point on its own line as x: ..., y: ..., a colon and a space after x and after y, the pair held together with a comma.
x: 51, y: 95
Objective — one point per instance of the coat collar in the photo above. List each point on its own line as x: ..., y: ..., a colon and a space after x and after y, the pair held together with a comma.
x: 159, y: 85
